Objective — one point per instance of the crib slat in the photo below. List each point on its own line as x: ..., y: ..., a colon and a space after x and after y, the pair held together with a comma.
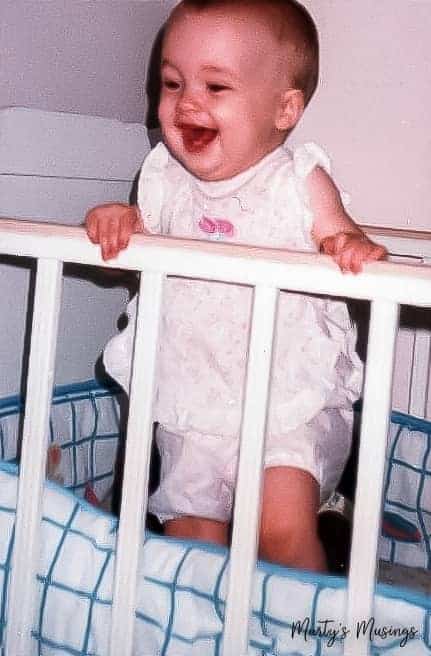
x: 33, y: 457
x: 136, y: 467
x: 248, y: 487
x: 371, y: 466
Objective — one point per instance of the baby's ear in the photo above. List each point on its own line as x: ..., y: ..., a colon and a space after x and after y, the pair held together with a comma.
x: 290, y: 110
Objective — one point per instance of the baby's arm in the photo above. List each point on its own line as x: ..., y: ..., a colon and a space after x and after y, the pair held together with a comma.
x: 334, y: 231
x: 111, y: 226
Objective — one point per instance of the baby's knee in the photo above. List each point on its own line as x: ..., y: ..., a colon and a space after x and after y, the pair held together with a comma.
x: 293, y: 544
x: 273, y: 536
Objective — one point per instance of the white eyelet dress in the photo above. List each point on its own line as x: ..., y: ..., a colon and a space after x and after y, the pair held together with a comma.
x: 204, y: 338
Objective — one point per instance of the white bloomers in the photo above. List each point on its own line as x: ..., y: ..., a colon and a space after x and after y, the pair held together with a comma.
x: 203, y: 350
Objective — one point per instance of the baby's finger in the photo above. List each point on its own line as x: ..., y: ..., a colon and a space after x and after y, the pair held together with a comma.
x: 345, y: 263
x: 126, y: 228
x: 356, y: 261
x: 349, y: 260
x: 123, y: 238
x: 108, y: 236
x: 107, y: 249
x: 334, y: 244
x: 377, y: 253
x: 327, y: 246
x: 92, y: 228
x: 360, y: 255
x: 367, y: 252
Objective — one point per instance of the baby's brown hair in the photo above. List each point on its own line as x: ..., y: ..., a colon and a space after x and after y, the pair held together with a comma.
x: 291, y: 24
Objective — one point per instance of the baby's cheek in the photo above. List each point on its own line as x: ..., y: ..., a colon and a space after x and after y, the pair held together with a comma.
x: 165, y: 111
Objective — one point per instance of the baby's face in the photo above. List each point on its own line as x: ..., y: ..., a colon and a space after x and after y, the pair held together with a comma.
x: 222, y: 79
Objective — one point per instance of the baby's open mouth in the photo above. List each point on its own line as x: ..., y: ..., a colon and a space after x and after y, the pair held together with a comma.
x: 196, y: 137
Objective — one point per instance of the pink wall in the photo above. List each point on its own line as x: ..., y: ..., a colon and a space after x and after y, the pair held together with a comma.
x: 372, y: 108
x: 371, y: 111
x: 371, y: 114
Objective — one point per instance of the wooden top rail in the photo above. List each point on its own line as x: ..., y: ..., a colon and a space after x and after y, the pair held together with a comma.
x: 308, y: 272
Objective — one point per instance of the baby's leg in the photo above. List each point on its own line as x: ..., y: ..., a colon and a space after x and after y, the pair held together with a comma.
x: 288, y: 532
x: 197, y: 480
x: 198, y: 528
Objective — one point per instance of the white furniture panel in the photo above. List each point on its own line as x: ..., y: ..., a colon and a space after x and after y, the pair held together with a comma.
x: 53, y: 167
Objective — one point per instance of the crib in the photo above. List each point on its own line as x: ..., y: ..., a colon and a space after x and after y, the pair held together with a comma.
x: 216, y: 604
x: 387, y: 285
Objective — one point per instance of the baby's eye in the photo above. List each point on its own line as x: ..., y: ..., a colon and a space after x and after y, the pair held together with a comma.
x: 171, y: 85
x: 214, y: 87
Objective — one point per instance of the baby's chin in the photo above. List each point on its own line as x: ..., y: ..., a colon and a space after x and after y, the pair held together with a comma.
x: 209, y: 174
x: 205, y: 163
x: 217, y: 173
x: 201, y: 164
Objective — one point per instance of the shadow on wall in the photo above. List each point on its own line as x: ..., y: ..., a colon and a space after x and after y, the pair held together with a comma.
x: 154, y: 82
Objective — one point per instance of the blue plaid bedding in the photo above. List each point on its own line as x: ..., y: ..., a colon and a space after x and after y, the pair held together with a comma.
x: 84, y: 423
x: 181, y: 585
x: 406, y: 530
x: 181, y: 593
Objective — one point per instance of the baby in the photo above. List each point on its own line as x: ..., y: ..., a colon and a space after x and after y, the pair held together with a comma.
x: 236, y: 77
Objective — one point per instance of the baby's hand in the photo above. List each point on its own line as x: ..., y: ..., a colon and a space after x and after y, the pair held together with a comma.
x: 350, y: 250
x: 111, y: 225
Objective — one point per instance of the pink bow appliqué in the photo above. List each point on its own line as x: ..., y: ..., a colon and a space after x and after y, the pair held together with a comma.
x: 216, y: 227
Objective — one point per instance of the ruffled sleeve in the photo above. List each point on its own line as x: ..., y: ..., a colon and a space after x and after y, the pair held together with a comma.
x: 310, y: 155
x: 152, y: 188
x: 307, y: 157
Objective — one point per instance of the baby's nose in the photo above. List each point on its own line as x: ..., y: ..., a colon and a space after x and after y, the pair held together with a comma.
x: 189, y: 101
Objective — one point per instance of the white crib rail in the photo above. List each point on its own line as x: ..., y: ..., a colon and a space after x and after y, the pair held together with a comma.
x: 33, y: 456
x: 137, y: 462
x: 368, y: 497
x: 386, y: 284
x: 248, y: 486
